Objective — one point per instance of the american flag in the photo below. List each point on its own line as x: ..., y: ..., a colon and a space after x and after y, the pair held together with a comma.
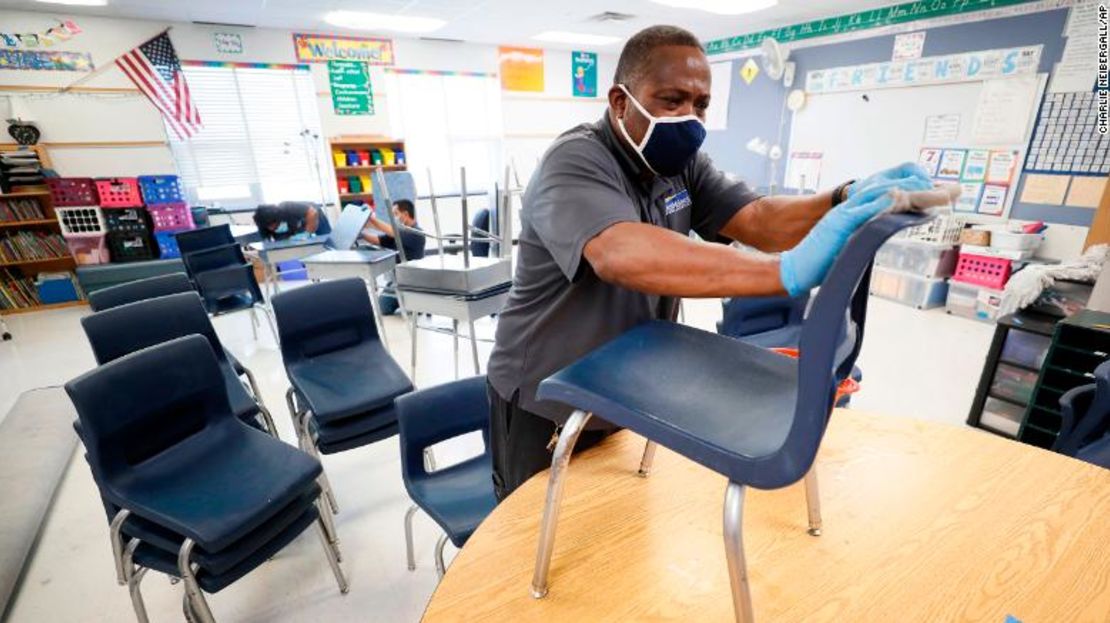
x: 154, y: 68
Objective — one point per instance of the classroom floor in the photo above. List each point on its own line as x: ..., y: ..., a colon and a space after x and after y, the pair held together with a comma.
x: 916, y: 364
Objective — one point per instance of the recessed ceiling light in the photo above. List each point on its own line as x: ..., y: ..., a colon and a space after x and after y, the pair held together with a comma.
x: 381, y: 21
x: 559, y: 36
x: 76, y: 2
x: 721, y: 7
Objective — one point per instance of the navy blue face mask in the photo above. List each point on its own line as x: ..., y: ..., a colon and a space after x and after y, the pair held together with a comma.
x: 669, y: 143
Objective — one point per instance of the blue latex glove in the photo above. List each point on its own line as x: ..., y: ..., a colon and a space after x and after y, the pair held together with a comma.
x: 804, y: 267
x: 304, y: 235
x: 906, y: 170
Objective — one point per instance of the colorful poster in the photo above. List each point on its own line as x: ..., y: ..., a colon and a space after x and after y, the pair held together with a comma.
x: 993, y: 200
x: 975, y: 169
x: 965, y: 67
x: 952, y: 164
x: 324, y: 48
x: 929, y: 159
x: 1000, y: 170
x: 64, y: 31
x: 350, y: 88
x: 45, y: 61
x: 749, y: 71
x: 521, y: 68
x: 583, y: 73
x: 228, y: 42
x: 969, y: 196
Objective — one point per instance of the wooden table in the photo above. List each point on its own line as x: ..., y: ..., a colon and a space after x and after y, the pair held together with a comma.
x: 922, y: 522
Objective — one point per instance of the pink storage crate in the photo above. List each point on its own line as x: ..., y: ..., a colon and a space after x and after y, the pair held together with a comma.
x: 89, y: 249
x: 171, y: 216
x: 119, y: 192
x: 983, y: 270
x: 73, y: 191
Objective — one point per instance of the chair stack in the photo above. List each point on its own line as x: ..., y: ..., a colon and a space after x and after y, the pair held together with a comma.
x: 189, y: 489
x: 168, y: 211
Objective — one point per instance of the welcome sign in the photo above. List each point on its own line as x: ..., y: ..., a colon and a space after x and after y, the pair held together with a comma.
x: 324, y: 48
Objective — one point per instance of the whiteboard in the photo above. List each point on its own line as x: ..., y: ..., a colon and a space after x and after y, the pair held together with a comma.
x: 859, y: 137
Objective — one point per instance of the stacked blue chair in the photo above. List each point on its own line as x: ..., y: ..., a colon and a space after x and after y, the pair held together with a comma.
x: 457, y: 497
x: 211, y: 498
x: 221, y: 273
x: 343, y: 381
x: 1085, y: 420
x: 755, y: 416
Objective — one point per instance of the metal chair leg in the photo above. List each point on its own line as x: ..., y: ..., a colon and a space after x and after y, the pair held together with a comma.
x: 192, y: 589
x: 412, y: 335
x: 441, y: 568
x: 455, y: 337
x: 268, y: 420
x: 304, y: 441
x: 647, y: 460
x: 429, y: 460
x: 734, y: 552
x: 333, y: 559
x: 117, y: 545
x: 813, y: 501
x: 560, y: 460
x: 254, y: 324
x: 134, y: 581
x: 408, y: 536
x: 474, y: 348
x: 268, y: 313
x: 328, y: 522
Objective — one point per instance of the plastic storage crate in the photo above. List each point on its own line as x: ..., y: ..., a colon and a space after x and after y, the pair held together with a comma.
x: 131, y: 247
x: 79, y: 222
x: 945, y: 229
x: 119, y: 192
x: 1013, y: 241
x: 924, y: 259
x: 127, y: 221
x: 89, y: 249
x: 983, y: 270
x: 167, y: 244
x: 171, y: 216
x: 971, y: 301
x: 57, y: 288
x: 73, y: 191
x: 908, y: 289
x: 160, y: 189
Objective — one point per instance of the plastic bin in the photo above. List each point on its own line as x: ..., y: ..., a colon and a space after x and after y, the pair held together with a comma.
x: 983, y: 270
x: 89, y: 249
x: 1014, y: 241
x: 119, y: 192
x: 945, y: 228
x: 1002, y: 416
x: 56, y: 289
x: 171, y: 216
x: 924, y: 259
x: 167, y: 244
x: 128, y: 220
x: 971, y: 301
x: 83, y: 221
x: 1025, y: 349
x: 131, y: 247
x: 73, y: 191
x: 1013, y: 384
x: 160, y: 189
x: 908, y: 289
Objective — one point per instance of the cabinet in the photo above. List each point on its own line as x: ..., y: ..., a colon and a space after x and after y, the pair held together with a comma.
x: 1009, y: 379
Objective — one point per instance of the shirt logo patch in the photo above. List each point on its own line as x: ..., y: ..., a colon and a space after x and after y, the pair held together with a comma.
x: 678, y: 201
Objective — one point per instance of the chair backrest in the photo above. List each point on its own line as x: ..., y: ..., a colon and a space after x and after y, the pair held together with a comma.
x: 122, y: 330
x: 322, y: 318
x: 400, y: 184
x: 745, y: 316
x: 481, y: 220
x: 430, y: 416
x: 845, y: 289
x: 349, y: 226
x: 1086, y: 413
x: 212, y: 258
x: 140, y: 405
x: 141, y: 290
x: 204, y: 238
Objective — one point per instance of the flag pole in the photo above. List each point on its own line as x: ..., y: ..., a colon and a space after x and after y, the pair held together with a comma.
x: 112, y: 63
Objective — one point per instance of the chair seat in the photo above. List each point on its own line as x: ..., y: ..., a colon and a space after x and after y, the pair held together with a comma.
x: 186, y: 488
x: 354, y: 426
x: 229, y: 303
x: 349, y: 382
x: 333, y: 445
x: 783, y: 337
x: 458, y: 497
x: 713, y: 399
x: 1097, y: 452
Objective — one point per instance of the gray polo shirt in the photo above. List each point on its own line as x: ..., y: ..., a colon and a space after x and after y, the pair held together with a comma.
x: 558, y: 309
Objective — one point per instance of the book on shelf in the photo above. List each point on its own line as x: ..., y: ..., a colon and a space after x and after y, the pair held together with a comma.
x: 25, y: 209
x: 17, y: 291
x: 32, y: 245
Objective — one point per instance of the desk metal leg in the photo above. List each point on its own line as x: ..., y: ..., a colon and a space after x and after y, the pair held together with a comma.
x: 455, y: 337
x: 734, y: 552
x: 474, y: 349
x: 647, y: 460
x: 379, y: 320
x: 560, y: 460
x: 412, y: 335
x: 813, y: 501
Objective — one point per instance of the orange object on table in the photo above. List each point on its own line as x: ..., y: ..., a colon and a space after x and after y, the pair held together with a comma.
x: 847, y: 387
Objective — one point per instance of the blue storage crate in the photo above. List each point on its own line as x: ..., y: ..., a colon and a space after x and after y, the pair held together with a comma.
x: 167, y: 244
x: 160, y: 189
x: 292, y: 271
x: 56, y: 289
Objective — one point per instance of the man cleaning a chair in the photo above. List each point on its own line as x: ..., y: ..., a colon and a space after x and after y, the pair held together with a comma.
x: 605, y: 241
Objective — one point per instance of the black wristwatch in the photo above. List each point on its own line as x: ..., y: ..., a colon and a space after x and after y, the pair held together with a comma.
x: 840, y: 193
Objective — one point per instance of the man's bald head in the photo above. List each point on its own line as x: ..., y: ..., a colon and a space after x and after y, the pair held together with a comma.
x: 637, y: 56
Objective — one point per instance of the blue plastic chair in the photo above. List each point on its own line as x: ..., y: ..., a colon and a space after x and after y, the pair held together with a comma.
x: 343, y: 381
x: 458, y: 497
x: 768, y: 321
x: 755, y: 416
x: 1085, y: 420
x: 165, y: 447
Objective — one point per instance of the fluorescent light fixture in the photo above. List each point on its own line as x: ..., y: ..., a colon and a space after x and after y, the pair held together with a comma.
x: 76, y: 2
x: 359, y: 20
x: 561, y: 36
x: 721, y: 7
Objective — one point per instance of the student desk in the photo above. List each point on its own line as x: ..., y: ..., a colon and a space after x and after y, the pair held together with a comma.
x: 366, y: 264
x: 922, y: 522
x: 274, y: 252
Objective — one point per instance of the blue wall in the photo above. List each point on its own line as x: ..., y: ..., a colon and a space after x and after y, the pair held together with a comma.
x: 754, y: 109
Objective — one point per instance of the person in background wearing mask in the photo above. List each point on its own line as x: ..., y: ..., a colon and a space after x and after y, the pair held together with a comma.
x: 605, y: 239
x: 290, y: 218
x: 411, y: 241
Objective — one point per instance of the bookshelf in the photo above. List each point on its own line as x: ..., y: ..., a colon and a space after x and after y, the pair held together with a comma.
x: 34, y: 216
x: 344, y: 172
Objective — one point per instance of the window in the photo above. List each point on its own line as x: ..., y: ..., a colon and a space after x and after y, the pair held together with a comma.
x: 261, y: 137
x: 447, y: 122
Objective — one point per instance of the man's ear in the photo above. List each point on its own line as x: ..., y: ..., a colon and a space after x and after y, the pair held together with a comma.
x: 618, y: 101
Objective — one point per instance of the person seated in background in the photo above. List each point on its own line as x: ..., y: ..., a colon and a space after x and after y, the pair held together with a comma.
x: 290, y: 218
x: 404, y: 212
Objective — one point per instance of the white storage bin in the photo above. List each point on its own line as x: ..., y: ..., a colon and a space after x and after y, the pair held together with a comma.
x: 924, y: 259
x: 908, y: 289
x: 1012, y: 241
x: 971, y: 301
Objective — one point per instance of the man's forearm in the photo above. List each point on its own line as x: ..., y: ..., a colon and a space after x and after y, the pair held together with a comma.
x: 777, y: 223
x: 658, y: 261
